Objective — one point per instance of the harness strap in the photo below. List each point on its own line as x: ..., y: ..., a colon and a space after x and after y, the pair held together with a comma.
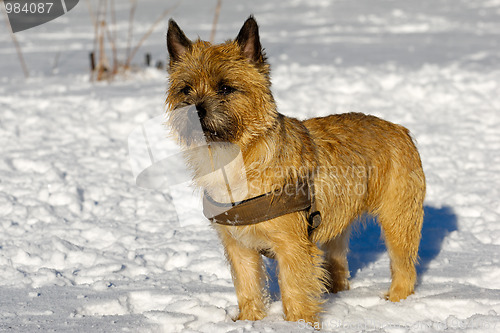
x: 289, y: 199
x: 314, y: 219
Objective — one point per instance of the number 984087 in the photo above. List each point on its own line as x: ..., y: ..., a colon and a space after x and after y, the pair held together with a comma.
x: 28, y: 7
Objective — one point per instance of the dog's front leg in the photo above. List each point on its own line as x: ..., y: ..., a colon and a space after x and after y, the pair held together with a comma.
x: 248, y: 276
x: 301, y: 276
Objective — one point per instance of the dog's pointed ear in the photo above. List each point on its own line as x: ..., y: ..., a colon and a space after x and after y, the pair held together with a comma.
x: 249, y: 41
x: 177, y: 42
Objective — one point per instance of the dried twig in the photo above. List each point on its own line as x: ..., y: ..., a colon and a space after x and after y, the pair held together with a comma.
x: 91, y: 12
x: 216, y: 20
x: 146, y: 35
x: 112, y: 38
x: 102, y: 68
x: 95, y: 23
x: 131, y: 27
x: 16, y: 45
x: 55, y: 64
x: 104, y: 31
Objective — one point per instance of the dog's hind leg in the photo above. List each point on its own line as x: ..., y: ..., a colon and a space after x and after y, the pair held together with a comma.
x: 401, y: 218
x: 336, y: 262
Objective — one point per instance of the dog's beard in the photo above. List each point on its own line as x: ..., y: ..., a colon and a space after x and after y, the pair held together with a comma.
x: 218, y: 126
x: 186, y: 125
x: 218, y: 169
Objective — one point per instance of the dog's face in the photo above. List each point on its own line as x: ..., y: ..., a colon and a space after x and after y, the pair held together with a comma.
x: 222, y: 89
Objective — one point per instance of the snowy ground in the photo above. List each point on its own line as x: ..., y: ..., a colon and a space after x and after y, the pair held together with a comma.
x: 82, y: 249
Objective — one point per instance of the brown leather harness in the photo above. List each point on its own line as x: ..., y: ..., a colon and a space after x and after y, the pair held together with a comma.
x: 289, y: 199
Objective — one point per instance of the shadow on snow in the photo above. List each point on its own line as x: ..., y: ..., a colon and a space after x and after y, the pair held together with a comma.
x: 367, y: 244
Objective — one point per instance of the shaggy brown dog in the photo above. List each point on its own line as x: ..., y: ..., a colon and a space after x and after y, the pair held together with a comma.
x: 360, y: 164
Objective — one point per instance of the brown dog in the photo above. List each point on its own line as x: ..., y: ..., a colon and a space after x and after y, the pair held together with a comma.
x: 358, y: 164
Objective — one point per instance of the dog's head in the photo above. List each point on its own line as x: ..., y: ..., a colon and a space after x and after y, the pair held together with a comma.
x: 222, y: 90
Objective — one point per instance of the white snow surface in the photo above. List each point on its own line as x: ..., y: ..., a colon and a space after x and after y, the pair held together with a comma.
x: 83, y: 249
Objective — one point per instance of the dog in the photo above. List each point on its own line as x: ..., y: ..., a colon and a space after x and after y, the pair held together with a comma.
x: 345, y: 165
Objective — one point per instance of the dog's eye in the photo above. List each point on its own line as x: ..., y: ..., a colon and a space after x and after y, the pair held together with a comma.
x: 226, y: 90
x: 186, y: 90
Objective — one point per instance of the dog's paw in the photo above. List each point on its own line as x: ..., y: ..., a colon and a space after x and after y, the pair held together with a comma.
x: 396, y: 294
x: 251, y: 315
x: 334, y: 287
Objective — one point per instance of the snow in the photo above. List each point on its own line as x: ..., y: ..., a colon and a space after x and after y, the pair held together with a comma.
x: 82, y: 248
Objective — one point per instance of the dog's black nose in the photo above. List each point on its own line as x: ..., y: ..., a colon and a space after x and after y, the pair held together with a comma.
x: 202, y: 112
